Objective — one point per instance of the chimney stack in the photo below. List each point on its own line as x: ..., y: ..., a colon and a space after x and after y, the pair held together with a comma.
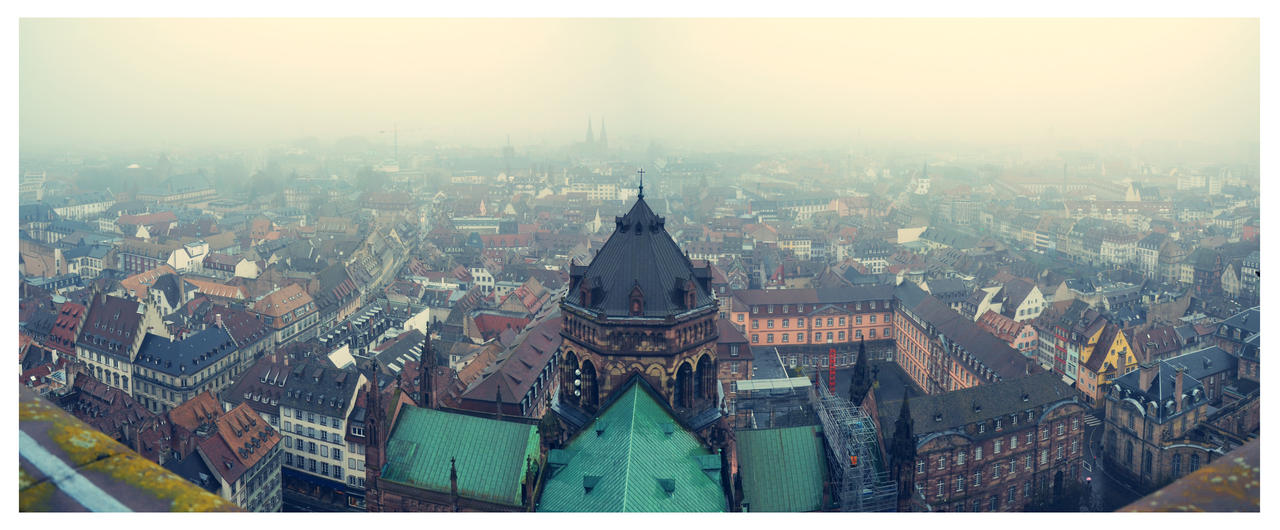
x: 1146, y: 374
x: 1177, y: 389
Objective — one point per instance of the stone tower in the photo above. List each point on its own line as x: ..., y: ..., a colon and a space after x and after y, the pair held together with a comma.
x: 640, y: 306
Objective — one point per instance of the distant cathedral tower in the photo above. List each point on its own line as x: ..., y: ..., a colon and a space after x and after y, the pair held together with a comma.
x: 591, y: 136
x: 641, y: 306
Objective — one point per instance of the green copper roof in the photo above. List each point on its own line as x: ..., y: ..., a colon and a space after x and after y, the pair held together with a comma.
x: 490, y: 454
x: 782, y: 469
x: 631, y: 464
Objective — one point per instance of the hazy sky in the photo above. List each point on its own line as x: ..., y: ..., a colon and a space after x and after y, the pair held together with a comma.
x: 190, y: 82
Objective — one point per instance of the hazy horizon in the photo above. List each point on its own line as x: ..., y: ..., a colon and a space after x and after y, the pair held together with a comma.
x: 1030, y: 82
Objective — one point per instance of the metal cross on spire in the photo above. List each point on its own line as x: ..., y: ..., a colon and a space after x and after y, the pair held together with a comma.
x: 641, y: 173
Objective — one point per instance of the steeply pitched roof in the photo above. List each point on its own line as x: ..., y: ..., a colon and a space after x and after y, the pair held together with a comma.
x: 490, y: 454
x: 242, y: 439
x: 634, y: 457
x: 936, y: 413
x: 640, y: 253
x: 782, y: 469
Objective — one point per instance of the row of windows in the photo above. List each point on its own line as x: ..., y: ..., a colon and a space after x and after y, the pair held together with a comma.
x: 817, y: 322
x: 817, y: 336
x: 312, y: 448
x: 786, y: 308
x: 313, y: 466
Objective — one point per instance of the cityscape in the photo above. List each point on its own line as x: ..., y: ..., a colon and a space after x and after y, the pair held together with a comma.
x: 835, y: 265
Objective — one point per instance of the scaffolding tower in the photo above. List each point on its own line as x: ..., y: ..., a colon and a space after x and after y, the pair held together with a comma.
x: 859, y: 477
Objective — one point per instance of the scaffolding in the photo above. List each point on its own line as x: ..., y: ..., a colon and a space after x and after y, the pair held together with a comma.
x: 859, y: 477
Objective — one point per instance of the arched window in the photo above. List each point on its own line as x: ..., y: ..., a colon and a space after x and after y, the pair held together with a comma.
x: 684, y: 386
x: 1177, y: 465
x: 590, y: 391
x: 1195, y: 463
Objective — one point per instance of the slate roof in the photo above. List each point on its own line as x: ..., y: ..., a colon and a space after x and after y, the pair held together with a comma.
x: 641, y: 253
x: 995, y: 354
x: 936, y: 413
x: 630, y: 462
x: 261, y: 386
x: 186, y: 356
x: 319, y: 388
x: 242, y: 439
x: 490, y: 454
x: 1248, y: 320
x: 518, y: 368
x: 782, y: 469
x: 110, y: 326
x: 1160, y: 390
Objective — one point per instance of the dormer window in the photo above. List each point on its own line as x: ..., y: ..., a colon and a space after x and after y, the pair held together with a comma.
x: 689, y: 294
x: 636, y: 301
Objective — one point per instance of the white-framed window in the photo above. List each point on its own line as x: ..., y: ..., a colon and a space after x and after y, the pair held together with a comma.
x: 1044, y: 456
x: 919, y: 467
x: 977, y: 453
x: 1013, y: 442
x: 996, y: 450
x: 960, y: 458
x: 942, y: 461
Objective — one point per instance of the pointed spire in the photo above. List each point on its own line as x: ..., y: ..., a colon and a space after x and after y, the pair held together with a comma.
x: 641, y: 173
x: 453, y: 481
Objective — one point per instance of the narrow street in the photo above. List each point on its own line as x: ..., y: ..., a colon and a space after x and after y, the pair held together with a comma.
x: 1108, y: 494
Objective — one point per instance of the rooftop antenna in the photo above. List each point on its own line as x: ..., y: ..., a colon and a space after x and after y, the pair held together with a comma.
x: 641, y: 173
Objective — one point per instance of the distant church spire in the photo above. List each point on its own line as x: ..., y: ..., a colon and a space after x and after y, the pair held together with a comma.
x: 591, y: 136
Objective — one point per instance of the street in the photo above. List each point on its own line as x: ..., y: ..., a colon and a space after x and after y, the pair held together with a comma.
x: 1107, y: 493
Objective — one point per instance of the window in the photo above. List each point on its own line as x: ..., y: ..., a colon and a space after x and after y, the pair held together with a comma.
x: 1044, y: 433
x: 1060, y: 448
x: 769, y: 337
x: 311, y: 447
x: 873, y: 319
x: 755, y: 337
x: 1044, y: 456
x: 288, y: 459
x: 960, y: 458
x: 324, y: 451
x: 769, y: 323
x: 311, y: 465
x: 324, y: 468
x: 1059, y: 428
x: 995, y: 472
x: 288, y: 442
x: 919, y: 467
x: 351, y: 463
x: 996, y: 449
x: 1075, y: 424
x: 1013, y: 466
x: 1195, y: 463
x: 786, y: 321
x: 982, y: 428
x: 1013, y: 442
x: 786, y: 337
x: 841, y: 334
x: 977, y: 479
x: 941, y: 485
x: 740, y: 317
x: 942, y: 461
x: 799, y: 337
x: 1013, y: 491
x: 959, y: 484
x: 830, y: 321
x: 995, y: 502
x: 1075, y: 446
x: 324, y: 421
x: 799, y: 322
x: 755, y: 324
x: 311, y: 417
x: 871, y: 333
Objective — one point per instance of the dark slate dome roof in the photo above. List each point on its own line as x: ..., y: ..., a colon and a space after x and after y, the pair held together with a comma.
x: 640, y: 253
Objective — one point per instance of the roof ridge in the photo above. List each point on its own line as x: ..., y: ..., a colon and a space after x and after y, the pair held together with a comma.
x: 631, y: 431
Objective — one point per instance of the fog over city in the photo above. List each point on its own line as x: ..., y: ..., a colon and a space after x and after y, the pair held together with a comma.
x: 639, y: 265
x: 1174, y: 85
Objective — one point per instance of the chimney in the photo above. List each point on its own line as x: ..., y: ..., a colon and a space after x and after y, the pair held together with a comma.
x: 1177, y: 389
x: 1146, y: 373
x: 217, y: 318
